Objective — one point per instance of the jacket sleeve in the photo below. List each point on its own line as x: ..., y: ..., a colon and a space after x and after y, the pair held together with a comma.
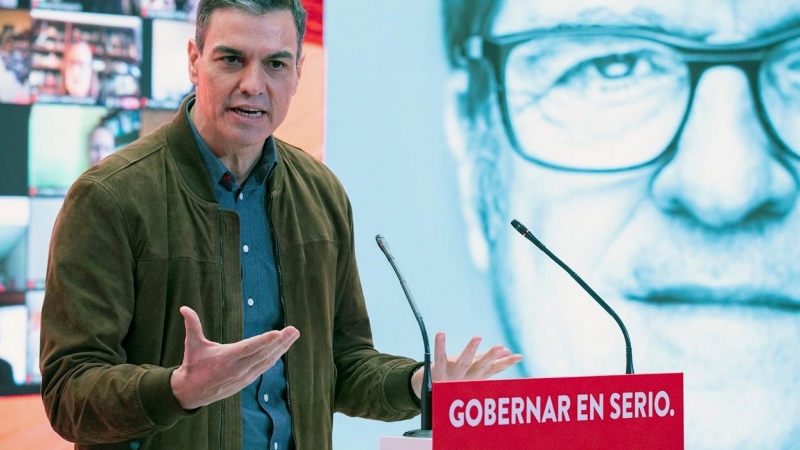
x: 369, y: 384
x: 91, y: 395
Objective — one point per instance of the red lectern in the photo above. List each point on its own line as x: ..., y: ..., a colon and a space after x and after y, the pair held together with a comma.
x: 598, y: 412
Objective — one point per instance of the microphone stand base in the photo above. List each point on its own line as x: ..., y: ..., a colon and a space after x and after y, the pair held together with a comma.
x: 419, y: 434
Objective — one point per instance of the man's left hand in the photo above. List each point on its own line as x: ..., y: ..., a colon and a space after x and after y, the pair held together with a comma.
x: 468, y: 365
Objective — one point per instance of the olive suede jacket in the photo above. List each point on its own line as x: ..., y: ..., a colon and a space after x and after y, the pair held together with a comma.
x: 140, y: 235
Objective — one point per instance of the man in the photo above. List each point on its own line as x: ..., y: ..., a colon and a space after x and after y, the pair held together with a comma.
x: 101, y: 144
x: 78, y: 77
x: 653, y: 147
x: 202, y: 290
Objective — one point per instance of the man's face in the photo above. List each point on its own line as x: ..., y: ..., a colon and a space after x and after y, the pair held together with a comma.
x: 78, y: 71
x: 698, y: 253
x: 101, y: 144
x: 246, y: 76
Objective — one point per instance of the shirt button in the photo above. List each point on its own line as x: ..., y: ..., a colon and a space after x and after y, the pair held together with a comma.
x: 276, y: 446
x: 266, y: 398
x: 241, y: 196
x: 246, y: 248
x: 250, y: 302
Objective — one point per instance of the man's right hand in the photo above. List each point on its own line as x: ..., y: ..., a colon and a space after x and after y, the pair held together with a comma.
x: 212, y: 371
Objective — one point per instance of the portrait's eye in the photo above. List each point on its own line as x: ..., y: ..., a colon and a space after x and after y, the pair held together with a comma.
x: 779, y: 82
x: 619, y: 66
x: 612, y: 74
x: 594, y: 101
x: 782, y: 71
x: 601, y: 69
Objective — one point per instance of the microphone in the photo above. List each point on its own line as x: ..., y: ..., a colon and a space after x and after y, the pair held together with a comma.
x: 523, y: 230
x: 427, y: 387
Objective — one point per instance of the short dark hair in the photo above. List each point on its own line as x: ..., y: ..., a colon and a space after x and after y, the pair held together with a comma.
x: 255, y: 7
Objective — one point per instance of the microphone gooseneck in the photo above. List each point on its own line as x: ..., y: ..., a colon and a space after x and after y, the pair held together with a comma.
x: 523, y: 230
x: 427, y: 386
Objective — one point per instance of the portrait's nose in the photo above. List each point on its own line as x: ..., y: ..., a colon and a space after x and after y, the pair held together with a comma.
x: 253, y: 82
x: 726, y: 170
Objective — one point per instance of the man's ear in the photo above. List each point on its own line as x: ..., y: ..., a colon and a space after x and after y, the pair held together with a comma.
x: 194, y: 60
x: 460, y: 127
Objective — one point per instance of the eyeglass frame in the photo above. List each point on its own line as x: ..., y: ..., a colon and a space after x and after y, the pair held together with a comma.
x: 698, y: 57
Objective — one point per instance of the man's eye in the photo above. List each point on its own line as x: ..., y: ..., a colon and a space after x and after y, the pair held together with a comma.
x: 231, y: 59
x: 616, y: 66
x: 612, y: 67
x: 277, y: 64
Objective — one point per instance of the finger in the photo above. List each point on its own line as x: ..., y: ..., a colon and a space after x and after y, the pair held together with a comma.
x: 465, y: 360
x: 484, y: 361
x: 194, y: 329
x: 268, y: 346
x: 252, y: 345
x: 501, y: 365
x: 439, y: 367
x: 263, y: 361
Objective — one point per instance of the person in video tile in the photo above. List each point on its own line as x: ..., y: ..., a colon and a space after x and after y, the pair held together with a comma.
x: 78, y: 75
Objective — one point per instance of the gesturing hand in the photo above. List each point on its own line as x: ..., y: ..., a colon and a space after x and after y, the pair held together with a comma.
x: 212, y: 371
x: 468, y: 365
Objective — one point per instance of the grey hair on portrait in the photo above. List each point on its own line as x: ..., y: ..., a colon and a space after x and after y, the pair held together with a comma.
x: 487, y: 184
x: 255, y: 7
x: 462, y: 19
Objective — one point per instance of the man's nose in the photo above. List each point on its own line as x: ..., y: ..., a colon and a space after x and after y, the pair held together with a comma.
x: 253, y: 82
x: 726, y: 170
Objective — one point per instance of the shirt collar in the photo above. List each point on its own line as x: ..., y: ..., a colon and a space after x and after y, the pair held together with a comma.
x: 219, y: 173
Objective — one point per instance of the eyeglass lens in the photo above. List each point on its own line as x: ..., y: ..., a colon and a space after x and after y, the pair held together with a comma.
x: 611, y: 102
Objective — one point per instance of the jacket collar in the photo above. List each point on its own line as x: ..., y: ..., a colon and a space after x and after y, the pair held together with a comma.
x: 183, y: 147
x: 184, y: 150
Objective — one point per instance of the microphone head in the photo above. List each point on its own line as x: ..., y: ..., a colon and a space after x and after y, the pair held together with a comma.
x: 522, y: 229
x: 382, y: 244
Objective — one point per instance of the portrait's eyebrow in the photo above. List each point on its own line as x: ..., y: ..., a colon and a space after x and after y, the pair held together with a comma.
x: 641, y: 18
x: 679, y: 24
x: 785, y: 23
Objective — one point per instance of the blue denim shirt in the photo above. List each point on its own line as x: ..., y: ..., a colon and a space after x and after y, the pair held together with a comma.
x: 266, y: 423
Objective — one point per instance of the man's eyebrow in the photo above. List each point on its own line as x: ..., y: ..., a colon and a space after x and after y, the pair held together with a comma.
x: 280, y: 55
x: 227, y: 50
x: 224, y: 49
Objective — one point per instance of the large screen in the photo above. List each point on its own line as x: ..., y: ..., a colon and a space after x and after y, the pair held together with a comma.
x: 651, y: 145
x: 70, y: 94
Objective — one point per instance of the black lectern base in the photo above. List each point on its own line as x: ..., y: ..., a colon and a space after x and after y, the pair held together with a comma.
x: 419, y: 433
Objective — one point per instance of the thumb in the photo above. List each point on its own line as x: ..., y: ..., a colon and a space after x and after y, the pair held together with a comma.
x: 194, y: 330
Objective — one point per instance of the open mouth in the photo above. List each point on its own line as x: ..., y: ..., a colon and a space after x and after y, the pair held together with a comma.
x: 247, y: 112
x: 738, y: 296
